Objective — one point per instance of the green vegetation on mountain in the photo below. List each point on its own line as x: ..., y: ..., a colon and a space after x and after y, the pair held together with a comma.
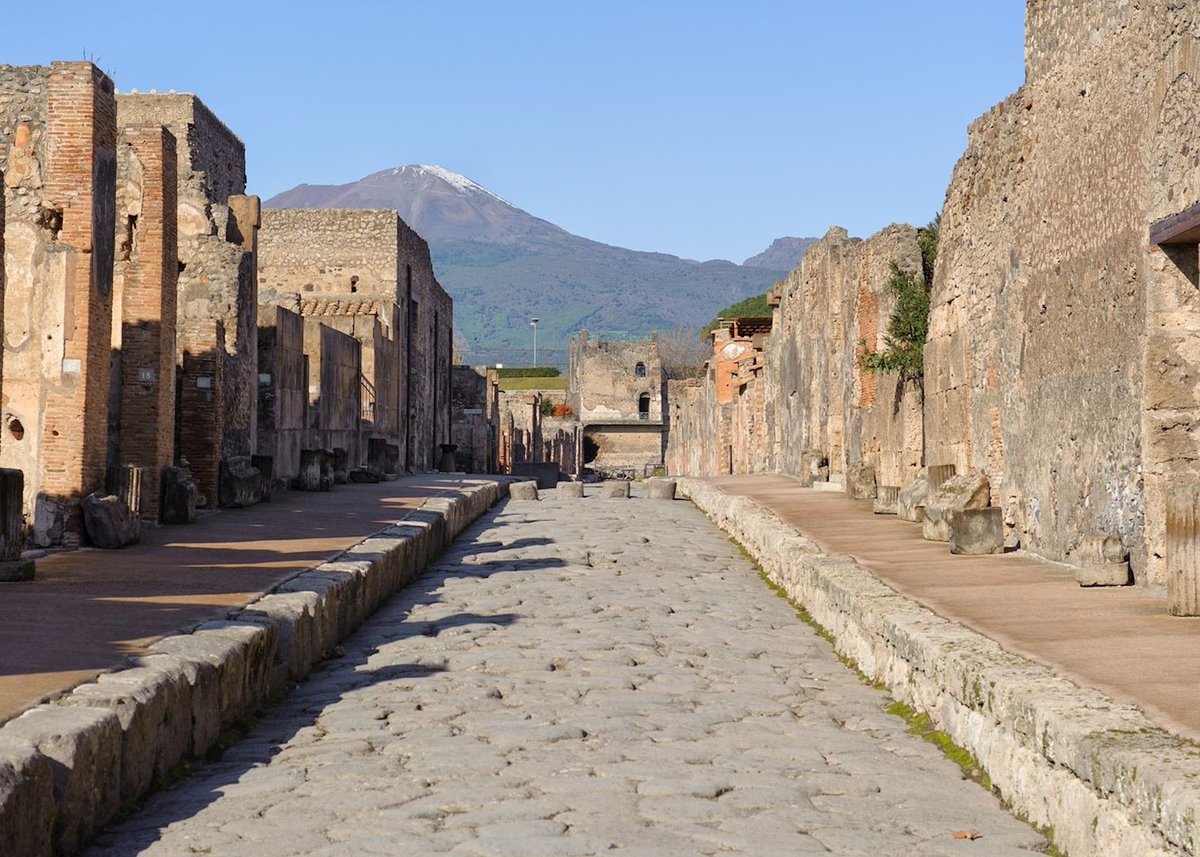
x: 751, y: 307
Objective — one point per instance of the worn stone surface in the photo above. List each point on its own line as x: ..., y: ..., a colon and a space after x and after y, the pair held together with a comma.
x: 976, y: 531
x: 26, y: 799
x: 910, y: 502
x: 1099, y: 772
x: 1104, y: 574
x: 615, y: 488
x: 659, y: 489
x: 241, y: 483
x: 523, y: 490
x: 109, y: 522
x: 85, y: 745
x: 181, y: 496
x: 887, y: 498
x: 860, y: 481
x: 968, y: 491
x: 569, y: 490
x: 598, y: 692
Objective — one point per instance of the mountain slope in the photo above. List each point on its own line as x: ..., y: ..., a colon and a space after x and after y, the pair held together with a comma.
x: 783, y: 255
x: 504, y: 266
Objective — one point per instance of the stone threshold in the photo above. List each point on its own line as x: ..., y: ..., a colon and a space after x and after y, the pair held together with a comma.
x: 68, y: 766
x: 1099, y: 774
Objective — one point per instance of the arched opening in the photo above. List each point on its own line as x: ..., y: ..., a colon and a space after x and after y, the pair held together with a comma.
x: 640, y: 370
x: 644, y: 406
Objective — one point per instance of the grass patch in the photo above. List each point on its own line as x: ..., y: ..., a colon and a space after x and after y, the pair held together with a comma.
x: 509, y: 385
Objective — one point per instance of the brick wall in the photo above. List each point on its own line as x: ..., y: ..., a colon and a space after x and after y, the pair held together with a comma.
x: 145, y: 303
x: 59, y: 140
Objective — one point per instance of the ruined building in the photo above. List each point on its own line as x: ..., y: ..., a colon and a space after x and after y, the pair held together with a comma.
x: 366, y: 276
x: 131, y: 315
x: 58, y: 152
x: 217, y: 288
x: 616, y: 392
x: 1059, y: 361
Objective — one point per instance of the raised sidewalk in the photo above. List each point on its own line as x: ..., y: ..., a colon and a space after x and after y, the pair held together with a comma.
x: 1079, y: 703
x: 187, y: 633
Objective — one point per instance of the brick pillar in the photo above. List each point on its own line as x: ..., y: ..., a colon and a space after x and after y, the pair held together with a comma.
x: 148, y: 268
x: 1183, y: 551
x: 80, y: 175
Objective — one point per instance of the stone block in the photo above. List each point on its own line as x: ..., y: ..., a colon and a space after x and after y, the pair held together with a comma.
x: 1183, y: 550
x: 1098, y: 550
x: 569, y: 490
x: 364, y: 475
x: 154, y: 711
x: 239, y: 484
x: 1104, y: 574
x: 109, y: 522
x: 391, y: 459
x: 85, y: 745
x: 615, y: 488
x: 523, y: 491
x: 811, y: 463
x: 180, y: 496
x: 860, y: 481
x: 200, y: 694
x: 659, y: 488
x: 12, y: 527
x: 956, y: 494
x: 327, y: 479
x: 887, y: 499
x: 977, y: 531
x: 544, y: 473
x: 447, y: 463
x: 26, y: 798
x: 341, y: 465
x: 228, y: 658
x: 937, y: 474
x: 127, y: 482
x: 310, y: 475
x: 265, y: 465
x: 377, y: 454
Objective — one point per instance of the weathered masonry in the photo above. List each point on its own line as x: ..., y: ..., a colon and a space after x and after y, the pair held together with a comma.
x: 217, y: 306
x: 367, y: 275
x: 131, y: 320
x: 1060, y: 359
x: 58, y: 138
x: 616, y: 392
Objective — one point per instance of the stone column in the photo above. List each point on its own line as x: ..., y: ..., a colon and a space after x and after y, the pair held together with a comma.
x: 1183, y: 551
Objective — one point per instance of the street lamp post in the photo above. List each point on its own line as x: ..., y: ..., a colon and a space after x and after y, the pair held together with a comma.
x: 533, y: 323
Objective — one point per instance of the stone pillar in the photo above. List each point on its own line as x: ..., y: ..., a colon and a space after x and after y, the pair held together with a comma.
x: 1183, y: 551
x: 145, y: 281
x: 12, y: 527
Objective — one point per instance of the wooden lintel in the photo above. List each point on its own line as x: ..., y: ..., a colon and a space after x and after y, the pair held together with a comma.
x: 1181, y: 228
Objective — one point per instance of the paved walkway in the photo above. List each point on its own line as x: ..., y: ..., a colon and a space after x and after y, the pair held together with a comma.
x: 576, y: 678
x: 1117, y: 640
x: 87, y: 610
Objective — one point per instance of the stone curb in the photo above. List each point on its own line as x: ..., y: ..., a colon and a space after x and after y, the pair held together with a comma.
x: 1098, y: 773
x: 67, y: 766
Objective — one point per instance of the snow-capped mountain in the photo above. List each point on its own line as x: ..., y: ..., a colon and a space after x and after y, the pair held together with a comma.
x: 504, y: 266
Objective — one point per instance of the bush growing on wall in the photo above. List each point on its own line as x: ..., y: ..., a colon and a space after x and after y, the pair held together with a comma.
x: 904, y: 343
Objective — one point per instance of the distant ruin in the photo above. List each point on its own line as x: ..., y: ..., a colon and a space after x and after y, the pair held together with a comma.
x: 132, y: 363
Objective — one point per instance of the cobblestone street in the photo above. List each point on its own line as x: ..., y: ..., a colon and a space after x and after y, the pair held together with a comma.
x: 578, y: 677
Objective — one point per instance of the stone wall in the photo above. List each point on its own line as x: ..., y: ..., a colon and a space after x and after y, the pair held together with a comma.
x: 334, y: 405
x: 474, y: 403
x: 311, y: 257
x: 1060, y: 351
x: 58, y: 150
x: 769, y: 397
x: 604, y: 378
x: 282, y: 389
x: 217, y: 330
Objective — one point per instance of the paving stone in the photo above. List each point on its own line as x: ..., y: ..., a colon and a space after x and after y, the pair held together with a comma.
x: 518, y: 700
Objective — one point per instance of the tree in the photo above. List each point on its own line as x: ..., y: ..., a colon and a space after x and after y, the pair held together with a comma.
x: 908, y: 327
x: 682, y: 353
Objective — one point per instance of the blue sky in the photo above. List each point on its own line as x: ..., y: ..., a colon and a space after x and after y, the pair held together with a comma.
x: 703, y: 129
